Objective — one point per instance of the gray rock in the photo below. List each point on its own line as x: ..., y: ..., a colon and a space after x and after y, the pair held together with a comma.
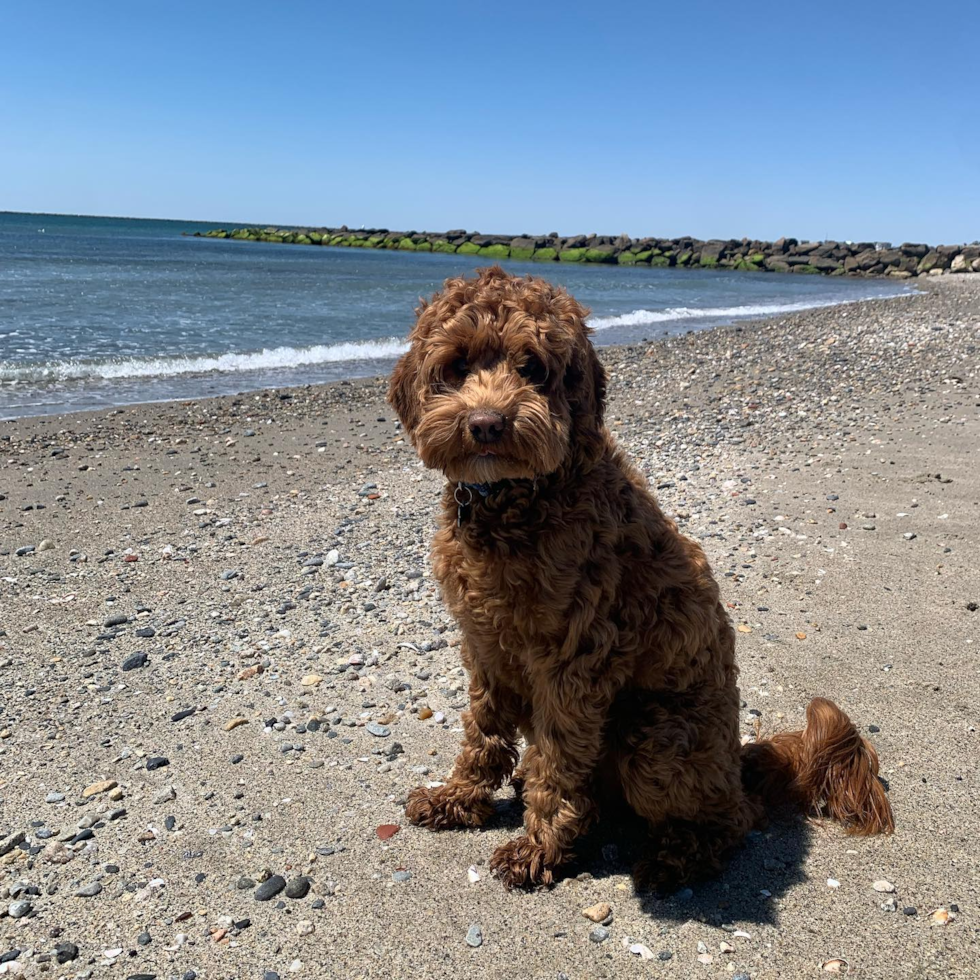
x: 17, y: 910
x: 599, y: 935
x: 297, y: 887
x: 270, y: 888
x: 381, y: 731
x: 89, y: 891
x: 474, y: 935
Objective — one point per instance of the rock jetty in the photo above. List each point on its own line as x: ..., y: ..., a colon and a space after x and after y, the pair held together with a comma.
x: 785, y: 255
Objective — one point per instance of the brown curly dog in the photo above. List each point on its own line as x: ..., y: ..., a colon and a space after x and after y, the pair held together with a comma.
x: 590, y: 625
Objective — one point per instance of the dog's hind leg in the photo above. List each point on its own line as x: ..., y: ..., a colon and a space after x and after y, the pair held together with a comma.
x: 486, y: 759
x: 680, y: 769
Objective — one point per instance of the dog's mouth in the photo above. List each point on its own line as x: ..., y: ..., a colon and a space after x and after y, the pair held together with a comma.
x: 487, y: 452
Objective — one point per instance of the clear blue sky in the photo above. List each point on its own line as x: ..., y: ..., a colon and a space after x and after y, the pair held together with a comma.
x: 856, y: 121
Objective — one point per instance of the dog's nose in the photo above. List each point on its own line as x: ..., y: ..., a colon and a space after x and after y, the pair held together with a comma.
x: 486, y: 426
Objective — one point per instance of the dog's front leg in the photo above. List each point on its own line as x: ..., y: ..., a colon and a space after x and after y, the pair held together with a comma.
x: 486, y: 759
x: 558, y: 772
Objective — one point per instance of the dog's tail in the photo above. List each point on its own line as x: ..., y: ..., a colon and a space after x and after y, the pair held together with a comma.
x: 827, y: 768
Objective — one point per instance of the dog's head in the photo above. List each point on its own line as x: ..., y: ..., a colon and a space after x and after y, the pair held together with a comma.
x: 501, y: 380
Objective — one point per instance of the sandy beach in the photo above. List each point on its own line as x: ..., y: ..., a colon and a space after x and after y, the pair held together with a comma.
x: 224, y: 664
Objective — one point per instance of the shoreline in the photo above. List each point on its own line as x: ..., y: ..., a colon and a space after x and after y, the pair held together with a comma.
x: 700, y: 323
x: 206, y: 602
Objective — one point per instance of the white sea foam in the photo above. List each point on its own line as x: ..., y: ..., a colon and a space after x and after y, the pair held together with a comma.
x: 640, y: 318
x: 156, y: 367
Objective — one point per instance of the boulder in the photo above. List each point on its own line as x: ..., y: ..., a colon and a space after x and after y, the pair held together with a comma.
x: 495, y: 251
x: 546, y: 254
x: 522, y: 248
x: 406, y: 244
x: 960, y: 263
x: 932, y: 260
x: 572, y: 254
x: 914, y: 250
x: 468, y: 248
x: 423, y: 246
x: 601, y: 253
x: 441, y: 245
x: 777, y: 264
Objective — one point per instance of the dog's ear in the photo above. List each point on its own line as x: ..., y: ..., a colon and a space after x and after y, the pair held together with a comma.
x: 598, y: 373
x: 586, y: 383
x: 402, y: 389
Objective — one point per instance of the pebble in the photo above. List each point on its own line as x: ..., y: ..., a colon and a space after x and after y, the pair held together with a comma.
x: 89, y: 891
x: 381, y: 731
x: 156, y: 762
x: 234, y: 723
x: 17, y: 910
x: 297, y: 887
x: 102, y: 787
x: 134, y: 662
x: 474, y: 936
x: 883, y: 886
x: 54, y: 797
x: 270, y: 888
x: 402, y: 876
x: 598, y: 913
x: 599, y: 935
x: 644, y: 952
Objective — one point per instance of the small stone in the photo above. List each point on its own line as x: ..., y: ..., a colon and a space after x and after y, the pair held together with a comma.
x: 599, y: 935
x: 888, y: 905
x: 234, y: 723
x: 664, y: 955
x: 381, y: 731
x: 65, y: 952
x: 474, y: 936
x: 89, y: 891
x: 401, y: 876
x: 156, y: 762
x: 134, y: 662
x: 270, y: 888
x: 311, y: 680
x: 46, y: 545
x: 165, y: 795
x: 883, y: 886
x: 644, y: 952
x: 910, y: 910
x: 17, y: 910
x: 118, y: 620
x: 297, y: 887
x: 54, y: 797
x: 305, y: 928
x: 102, y: 787
x: 598, y: 913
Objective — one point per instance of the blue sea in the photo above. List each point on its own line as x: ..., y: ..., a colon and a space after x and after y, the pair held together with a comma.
x: 96, y: 312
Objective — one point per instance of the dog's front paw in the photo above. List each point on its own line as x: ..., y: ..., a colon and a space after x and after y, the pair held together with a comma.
x: 444, y: 806
x: 520, y: 863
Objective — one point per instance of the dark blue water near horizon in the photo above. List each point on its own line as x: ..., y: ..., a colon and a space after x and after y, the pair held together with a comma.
x: 97, y: 312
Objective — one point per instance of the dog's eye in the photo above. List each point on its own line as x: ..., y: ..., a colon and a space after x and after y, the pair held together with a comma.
x: 460, y: 368
x: 533, y: 370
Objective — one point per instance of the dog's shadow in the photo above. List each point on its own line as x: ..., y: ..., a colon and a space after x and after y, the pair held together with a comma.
x: 760, y: 873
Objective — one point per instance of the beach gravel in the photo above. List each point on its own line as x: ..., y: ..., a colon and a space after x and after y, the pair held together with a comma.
x: 215, y: 705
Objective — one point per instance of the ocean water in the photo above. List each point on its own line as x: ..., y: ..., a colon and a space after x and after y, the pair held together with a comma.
x: 97, y: 312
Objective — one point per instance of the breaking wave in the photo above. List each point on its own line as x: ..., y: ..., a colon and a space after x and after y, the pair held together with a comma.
x: 157, y: 367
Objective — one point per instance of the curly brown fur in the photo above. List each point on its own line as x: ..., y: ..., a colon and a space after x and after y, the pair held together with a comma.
x: 591, y: 627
